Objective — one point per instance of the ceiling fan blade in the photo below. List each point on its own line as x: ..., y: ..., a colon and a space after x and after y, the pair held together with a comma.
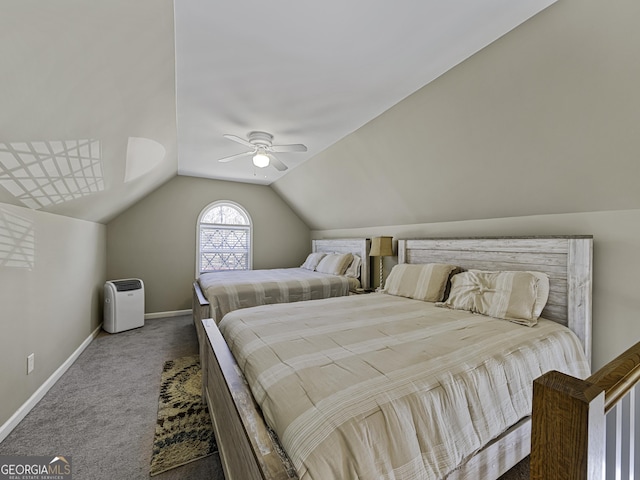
x: 240, y: 140
x: 295, y: 147
x: 233, y: 157
x: 277, y: 163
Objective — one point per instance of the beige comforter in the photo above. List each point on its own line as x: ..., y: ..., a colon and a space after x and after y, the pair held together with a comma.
x: 383, y: 387
x: 231, y: 290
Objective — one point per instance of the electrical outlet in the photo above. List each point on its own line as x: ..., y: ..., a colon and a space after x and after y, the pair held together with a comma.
x: 31, y: 363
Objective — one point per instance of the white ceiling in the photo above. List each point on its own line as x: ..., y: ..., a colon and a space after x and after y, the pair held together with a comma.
x: 95, y: 114
x: 312, y: 73
x: 87, y: 104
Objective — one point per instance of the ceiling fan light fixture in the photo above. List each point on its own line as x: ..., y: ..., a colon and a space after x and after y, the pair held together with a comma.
x: 262, y: 150
x: 260, y: 159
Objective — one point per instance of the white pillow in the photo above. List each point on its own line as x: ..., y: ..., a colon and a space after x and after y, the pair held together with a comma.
x: 334, y: 263
x: 542, y: 294
x: 312, y: 260
x: 353, y: 270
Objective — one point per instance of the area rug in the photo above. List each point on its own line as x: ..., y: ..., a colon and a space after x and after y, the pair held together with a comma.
x: 183, y: 429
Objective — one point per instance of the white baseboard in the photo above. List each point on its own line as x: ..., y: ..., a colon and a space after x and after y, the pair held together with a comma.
x: 174, y: 313
x: 27, y: 406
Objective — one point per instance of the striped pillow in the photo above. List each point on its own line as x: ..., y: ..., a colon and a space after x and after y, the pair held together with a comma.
x: 353, y: 270
x: 335, y: 263
x: 312, y: 260
x: 421, y: 282
x: 509, y: 296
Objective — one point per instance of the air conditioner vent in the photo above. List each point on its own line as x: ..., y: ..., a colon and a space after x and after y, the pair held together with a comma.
x: 127, y: 285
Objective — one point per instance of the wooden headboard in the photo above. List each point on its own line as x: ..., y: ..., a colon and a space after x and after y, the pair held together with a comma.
x: 567, y: 260
x: 357, y: 246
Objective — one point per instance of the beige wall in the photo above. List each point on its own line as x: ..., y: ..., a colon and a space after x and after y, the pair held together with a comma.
x: 52, y: 269
x: 616, y: 292
x: 542, y: 121
x: 155, y: 240
x: 535, y: 134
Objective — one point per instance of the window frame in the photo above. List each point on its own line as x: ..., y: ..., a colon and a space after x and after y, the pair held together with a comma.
x: 249, y: 227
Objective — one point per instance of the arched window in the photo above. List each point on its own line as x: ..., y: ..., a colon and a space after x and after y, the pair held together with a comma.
x: 224, y: 238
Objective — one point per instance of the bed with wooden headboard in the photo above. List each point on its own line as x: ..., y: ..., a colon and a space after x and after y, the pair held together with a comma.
x: 249, y: 449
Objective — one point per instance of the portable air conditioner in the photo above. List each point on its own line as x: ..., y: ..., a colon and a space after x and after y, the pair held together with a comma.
x: 123, y: 305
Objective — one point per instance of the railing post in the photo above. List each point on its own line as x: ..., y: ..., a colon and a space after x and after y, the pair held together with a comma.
x: 567, y: 430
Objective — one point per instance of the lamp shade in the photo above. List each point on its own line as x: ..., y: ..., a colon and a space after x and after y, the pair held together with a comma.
x: 381, y: 247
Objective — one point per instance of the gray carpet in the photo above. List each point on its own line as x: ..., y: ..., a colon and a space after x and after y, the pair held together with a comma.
x: 102, y: 412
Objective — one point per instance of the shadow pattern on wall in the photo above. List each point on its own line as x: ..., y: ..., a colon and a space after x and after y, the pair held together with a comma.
x: 50, y: 172
x: 17, y: 241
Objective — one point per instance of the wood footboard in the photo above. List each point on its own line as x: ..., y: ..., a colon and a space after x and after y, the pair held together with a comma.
x: 499, y: 456
x: 200, y: 305
x: 200, y: 310
x: 248, y: 450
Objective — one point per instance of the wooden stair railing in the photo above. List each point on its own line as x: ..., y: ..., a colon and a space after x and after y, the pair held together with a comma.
x: 568, y: 420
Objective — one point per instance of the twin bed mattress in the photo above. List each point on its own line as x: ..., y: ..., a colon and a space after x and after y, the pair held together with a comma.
x: 232, y: 290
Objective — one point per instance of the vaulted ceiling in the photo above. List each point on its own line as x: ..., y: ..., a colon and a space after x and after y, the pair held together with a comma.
x: 102, y: 102
x: 312, y: 73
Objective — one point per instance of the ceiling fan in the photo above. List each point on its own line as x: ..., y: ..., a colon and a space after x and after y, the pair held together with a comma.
x: 262, y: 149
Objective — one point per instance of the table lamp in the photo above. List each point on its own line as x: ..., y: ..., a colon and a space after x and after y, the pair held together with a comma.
x: 381, y: 247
